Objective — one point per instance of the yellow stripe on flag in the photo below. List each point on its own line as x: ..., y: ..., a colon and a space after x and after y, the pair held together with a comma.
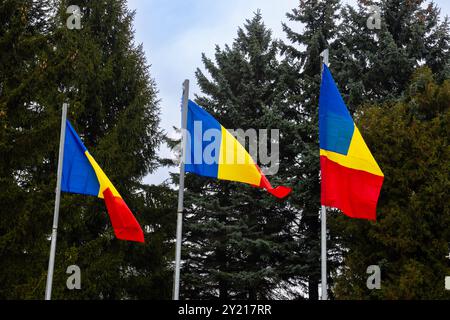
x: 105, y: 183
x: 359, y: 156
x: 235, y: 163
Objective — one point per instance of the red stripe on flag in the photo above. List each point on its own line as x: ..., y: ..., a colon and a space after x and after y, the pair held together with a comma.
x: 280, y: 192
x: 123, y: 221
x: 354, y: 192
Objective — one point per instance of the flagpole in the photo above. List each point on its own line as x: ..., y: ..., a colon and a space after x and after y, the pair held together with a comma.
x: 323, y: 216
x: 324, y: 252
x: 176, y: 283
x: 51, y: 261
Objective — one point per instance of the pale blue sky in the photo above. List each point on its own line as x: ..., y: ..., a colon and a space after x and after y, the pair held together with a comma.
x: 174, y: 34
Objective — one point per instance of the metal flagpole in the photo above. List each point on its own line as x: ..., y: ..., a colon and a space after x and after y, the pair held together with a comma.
x: 51, y: 261
x: 324, y: 253
x: 323, y: 216
x: 176, y: 282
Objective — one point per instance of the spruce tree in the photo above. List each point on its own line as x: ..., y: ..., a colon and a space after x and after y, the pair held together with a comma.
x: 24, y: 203
x: 410, y: 240
x: 368, y: 65
x: 104, y: 77
x: 303, y: 64
x: 376, y: 65
x: 238, y: 239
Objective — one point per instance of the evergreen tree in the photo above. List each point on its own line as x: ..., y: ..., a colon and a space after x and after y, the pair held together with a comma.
x: 23, y: 201
x: 238, y: 239
x: 410, y: 240
x: 104, y: 77
x: 368, y: 65
x: 376, y: 65
x: 303, y: 64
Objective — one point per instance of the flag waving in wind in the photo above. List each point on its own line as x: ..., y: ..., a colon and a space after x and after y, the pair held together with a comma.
x: 212, y: 151
x: 82, y: 175
x: 351, y: 178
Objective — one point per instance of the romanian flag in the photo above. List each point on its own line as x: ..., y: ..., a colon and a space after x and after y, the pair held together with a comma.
x: 212, y: 151
x: 351, y: 178
x: 82, y: 175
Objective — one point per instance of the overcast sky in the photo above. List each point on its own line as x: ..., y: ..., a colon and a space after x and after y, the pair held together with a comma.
x: 175, y: 33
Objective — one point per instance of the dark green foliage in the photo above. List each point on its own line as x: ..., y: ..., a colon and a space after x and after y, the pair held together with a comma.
x: 410, y: 241
x: 238, y: 239
x: 303, y: 64
x: 24, y: 167
x: 376, y: 65
x: 104, y: 77
x: 368, y: 65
